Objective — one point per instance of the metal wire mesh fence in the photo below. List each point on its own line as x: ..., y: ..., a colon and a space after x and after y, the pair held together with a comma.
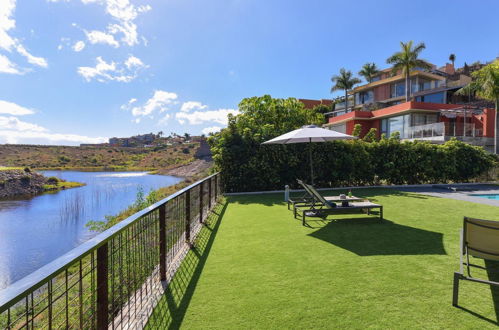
x: 115, y: 279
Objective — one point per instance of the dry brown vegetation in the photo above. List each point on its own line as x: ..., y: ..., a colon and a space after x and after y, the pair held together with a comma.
x: 108, y: 158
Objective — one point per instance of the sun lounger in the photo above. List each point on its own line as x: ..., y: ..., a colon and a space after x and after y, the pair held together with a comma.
x: 322, y: 208
x: 309, y: 197
x: 479, y: 239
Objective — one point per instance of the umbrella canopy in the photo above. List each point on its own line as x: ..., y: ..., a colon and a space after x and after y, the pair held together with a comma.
x: 309, y: 134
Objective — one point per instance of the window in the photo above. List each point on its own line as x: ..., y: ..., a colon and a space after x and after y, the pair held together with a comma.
x: 397, y: 89
x: 378, y: 77
x: 432, y: 98
x: 424, y: 84
x: 399, y: 124
x: 342, y: 128
x: 364, y: 97
x: 424, y: 118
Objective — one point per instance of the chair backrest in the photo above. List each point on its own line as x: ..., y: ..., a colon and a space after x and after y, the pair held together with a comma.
x: 305, y: 186
x: 481, y: 238
x: 318, y: 196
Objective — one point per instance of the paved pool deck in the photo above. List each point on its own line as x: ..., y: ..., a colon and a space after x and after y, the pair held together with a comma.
x: 459, y: 194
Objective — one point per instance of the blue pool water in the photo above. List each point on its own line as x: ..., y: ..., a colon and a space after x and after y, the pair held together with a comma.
x: 489, y: 196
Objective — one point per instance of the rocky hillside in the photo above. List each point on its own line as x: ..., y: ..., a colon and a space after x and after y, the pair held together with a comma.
x: 20, y: 182
x: 15, y: 182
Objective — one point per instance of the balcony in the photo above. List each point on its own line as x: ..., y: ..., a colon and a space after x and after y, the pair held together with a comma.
x: 443, y: 129
x: 244, y: 262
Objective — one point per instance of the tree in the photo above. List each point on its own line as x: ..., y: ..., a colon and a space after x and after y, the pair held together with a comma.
x: 485, y: 84
x: 160, y: 133
x: 238, y: 151
x: 368, y: 71
x: 344, y: 81
x: 406, y: 60
x: 187, y: 136
x: 452, y: 58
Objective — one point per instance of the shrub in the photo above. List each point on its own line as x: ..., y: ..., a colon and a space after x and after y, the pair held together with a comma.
x: 53, y: 180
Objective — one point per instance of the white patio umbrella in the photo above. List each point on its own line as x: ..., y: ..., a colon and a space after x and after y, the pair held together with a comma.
x: 309, y: 134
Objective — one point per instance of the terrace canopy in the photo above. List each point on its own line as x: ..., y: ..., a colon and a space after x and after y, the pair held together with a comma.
x: 309, y: 134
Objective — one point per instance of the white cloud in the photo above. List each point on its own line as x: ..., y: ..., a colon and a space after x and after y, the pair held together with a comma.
x: 159, y: 102
x: 39, y: 61
x: 14, y: 130
x: 11, y: 108
x: 7, y: 23
x: 112, y: 71
x: 128, y: 105
x: 9, y: 43
x: 199, y: 117
x: 163, y: 121
x: 133, y: 61
x: 212, y: 129
x: 99, y: 37
x: 122, y: 29
x: 6, y: 66
x: 13, y: 136
x: 13, y: 123
x: 192, y: 105
x: 78, y: 46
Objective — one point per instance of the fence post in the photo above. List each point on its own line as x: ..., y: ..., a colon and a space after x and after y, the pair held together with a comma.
x: 188, y: 216
x: 209, y: 194
x: 102, y: 288
x: 162, y: 242
x: 216, y: 187
x: 201, y: 190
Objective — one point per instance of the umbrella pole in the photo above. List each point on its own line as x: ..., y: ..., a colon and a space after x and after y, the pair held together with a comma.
x: 310, y: 159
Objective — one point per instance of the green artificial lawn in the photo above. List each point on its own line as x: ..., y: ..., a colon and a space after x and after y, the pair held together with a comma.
x: 257, y: 267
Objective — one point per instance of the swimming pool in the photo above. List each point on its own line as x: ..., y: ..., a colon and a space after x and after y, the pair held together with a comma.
x: 488, y: 196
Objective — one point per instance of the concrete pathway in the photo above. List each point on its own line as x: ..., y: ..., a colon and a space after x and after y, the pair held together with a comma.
x: 459, y: 194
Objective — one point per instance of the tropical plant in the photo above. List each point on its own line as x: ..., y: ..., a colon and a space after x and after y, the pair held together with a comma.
x: 485, y: 84
x: 344, y: 81
x: 369, y: 71
x: 452, y: 58
x: 371, y: 136
x: 357, y: 129
x: 406, y: 60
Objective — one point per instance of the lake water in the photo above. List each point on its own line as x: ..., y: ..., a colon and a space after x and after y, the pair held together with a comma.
x: 36, y: 230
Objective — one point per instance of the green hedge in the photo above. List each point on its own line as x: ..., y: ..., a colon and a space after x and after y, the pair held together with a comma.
x: 247, y: 165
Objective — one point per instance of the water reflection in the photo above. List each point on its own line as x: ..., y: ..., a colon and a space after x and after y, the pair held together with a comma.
x: 36, y: 230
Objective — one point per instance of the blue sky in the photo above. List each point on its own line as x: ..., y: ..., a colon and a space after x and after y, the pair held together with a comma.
x: 80, y: 71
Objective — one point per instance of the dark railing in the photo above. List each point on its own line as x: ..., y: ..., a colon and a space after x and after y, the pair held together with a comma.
x: 115, y: 279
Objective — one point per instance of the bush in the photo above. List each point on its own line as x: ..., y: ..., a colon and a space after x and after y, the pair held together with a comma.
x: 247, y: 165
x: 53, y: 180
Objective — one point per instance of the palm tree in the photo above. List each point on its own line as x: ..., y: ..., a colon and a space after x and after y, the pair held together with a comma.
x: 369, y: 70
x: 486, y: 85
x: 407, y: 59
x: 344, y: 81
x: 452, y: 58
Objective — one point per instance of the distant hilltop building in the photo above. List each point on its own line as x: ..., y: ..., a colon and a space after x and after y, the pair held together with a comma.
x: 151, y: 140
x: 134, y: 141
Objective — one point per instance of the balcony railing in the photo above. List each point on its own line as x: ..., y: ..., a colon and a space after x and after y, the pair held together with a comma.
x: 443, y: 129
x: 115, y: 279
